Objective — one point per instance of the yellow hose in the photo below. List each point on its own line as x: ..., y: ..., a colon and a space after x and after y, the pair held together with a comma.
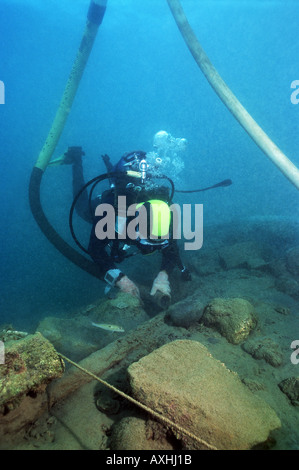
x: 95, y: 16
x: 96, y: 13
x: 230, y: 100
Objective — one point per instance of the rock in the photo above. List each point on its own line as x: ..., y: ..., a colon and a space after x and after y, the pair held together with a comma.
x: 144, y: 339
x: 253, y: 385
x: 282, y: 310
x: 77, y: 337
x: 41, y: 431
x: 292, y: 261
x: 278, y: 268
x: 233, y: 318
x: 106, y: 402
x: 132, y: 433
x: 8, y: 333
x: 205, y: 263
x: 290, y: 387
x: 30, y: 365
x: 124, y: 310
x: 186, y: 312
x: 183, y: 382
x: 242, y: 255
x: 288, y: 285
x: 264, y: 348
x: 70, y: 336
x: 124, y: 301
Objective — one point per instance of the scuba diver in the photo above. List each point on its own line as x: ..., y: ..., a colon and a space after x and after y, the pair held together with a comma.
x: 137, y: 176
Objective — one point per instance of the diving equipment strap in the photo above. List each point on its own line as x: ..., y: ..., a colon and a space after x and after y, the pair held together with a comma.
x: 227, y: 182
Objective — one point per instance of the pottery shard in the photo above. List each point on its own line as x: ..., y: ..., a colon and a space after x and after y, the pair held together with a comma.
x: 183, y: 382
x: 233, y: 318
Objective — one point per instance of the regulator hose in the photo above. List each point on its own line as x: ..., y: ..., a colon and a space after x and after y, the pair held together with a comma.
x: 223, y: 183
x: 95, y: 16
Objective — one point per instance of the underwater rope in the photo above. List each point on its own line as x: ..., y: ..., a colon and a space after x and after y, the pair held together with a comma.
x: 229, y: 99
x: 140, y: 405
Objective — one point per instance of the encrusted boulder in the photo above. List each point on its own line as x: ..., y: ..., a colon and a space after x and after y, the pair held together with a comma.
x: 290, y: 387
x: 183, y: 382
x: 233, y: 318
x: 30, y: 365
x: 186, y: 312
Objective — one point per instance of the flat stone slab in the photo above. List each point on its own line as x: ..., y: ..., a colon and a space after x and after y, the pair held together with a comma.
x: 182, y: 381
x: 30, y: 365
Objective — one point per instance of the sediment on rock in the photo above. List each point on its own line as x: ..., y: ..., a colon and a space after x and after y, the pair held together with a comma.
x: 182, y: 381
x: 30, y: 365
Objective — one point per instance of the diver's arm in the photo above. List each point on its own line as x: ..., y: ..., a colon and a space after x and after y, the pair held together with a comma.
x: 161, y: 285
x: 97, y: 251
x: 171, y: 258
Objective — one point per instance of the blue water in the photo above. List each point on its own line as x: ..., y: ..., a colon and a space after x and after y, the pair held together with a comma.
x: 140, y: 78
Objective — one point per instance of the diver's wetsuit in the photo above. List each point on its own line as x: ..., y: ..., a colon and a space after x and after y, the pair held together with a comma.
x: 98, y: 248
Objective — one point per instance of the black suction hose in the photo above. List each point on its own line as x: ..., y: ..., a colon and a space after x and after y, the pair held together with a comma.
x: 59, y: 243
x: 93, y: 182
x: 95, y: 16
